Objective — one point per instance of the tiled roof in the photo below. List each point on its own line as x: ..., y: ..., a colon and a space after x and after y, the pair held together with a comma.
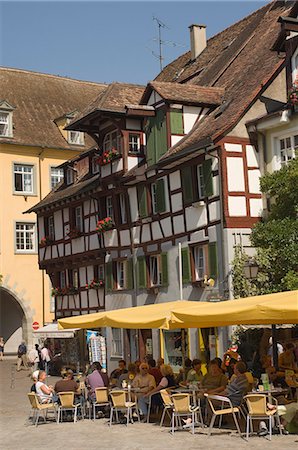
x: 243, y: 68
x: 185, y: 93
x: 39, y: 99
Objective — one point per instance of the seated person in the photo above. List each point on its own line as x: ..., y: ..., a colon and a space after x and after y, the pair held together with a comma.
x: 167, y: 381
x: 239, y: 387
x: 195, y: 375
x: 214, y: 381
x: 286, y: 360
x: 95, y: 380
x: 35, y: 379
x: 121, y: 369
x: 249, y: 376
x: 44, y: 392
x: 67, y: 384
x: 183, y: 372
x: 155, y: 371
x: 143, y: 381
x: 129, y: 376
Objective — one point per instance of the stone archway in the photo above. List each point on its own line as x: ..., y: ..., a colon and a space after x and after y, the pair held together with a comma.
x: 16, y: 319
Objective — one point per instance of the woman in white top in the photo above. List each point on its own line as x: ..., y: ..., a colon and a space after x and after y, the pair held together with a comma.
x: 44, y: 392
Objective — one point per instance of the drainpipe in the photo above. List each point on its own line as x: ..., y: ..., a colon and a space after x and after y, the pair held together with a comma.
x: 42, y: 272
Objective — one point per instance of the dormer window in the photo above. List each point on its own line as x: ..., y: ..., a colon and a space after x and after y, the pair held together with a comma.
x: 69, y: 176
x: 112, y: 140
x: 75, y: 137
x: 6, y: 129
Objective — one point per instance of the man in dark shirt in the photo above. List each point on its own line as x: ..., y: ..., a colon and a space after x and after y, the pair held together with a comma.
x: 239, y: 387
x: 67, y: 384
x: 155, y: 371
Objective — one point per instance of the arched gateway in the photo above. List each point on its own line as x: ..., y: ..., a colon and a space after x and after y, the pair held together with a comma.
x: 16, y: 319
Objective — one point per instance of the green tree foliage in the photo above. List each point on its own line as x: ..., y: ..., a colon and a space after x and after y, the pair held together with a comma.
x: 275, y: 238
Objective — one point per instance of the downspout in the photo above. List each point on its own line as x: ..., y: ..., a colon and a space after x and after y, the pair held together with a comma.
x: 42, y: 271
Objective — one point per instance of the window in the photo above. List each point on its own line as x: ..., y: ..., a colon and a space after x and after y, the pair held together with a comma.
x: 134, y: 143
x: 122, y: 207
x: 69, y: 176
x: 78, y: 218
x: 56, y: 176
x: 109, y: 207
x: 5, y: 124
x: 287, y: 147
x: 62, y: 279
x: 75, y: 278
x: 50, y: 227
x: 155, y: 271
x: 158, y: 197
x: 95, y: 167
x: 52, y: 300
x: 197, y: 182
x: 154, y: 198
x: 199, y: 255
x: 201, y: 182
x: 25, y: 237
x: 142, y: 200
x: 112, y: 140
x: 75, y: 137
x: 294, y: 61
x: 117, y: 345
x: 23, y: 179
x: 99, y: 272
x: 121, y: 274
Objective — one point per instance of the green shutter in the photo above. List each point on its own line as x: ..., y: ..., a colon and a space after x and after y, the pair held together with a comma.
x: 161, y: 134
x: 212, y: 259
x: 160, y: 196
x: 208, y: 178
x: 109, y: 276
x: 176, y: 120
x: 151, y: 141
x: 164, y: 269
x: 129, y: 274
x: 142, y: 200
x: 187, y: 185
x: 186, y: 275
x: 142, y: 272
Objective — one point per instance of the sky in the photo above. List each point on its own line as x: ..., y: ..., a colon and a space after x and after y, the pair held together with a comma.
x: 106, y: 41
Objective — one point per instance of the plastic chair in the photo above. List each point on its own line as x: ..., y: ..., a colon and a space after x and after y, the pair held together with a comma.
x: 67, y: 404
x: 119, y: 404
x: 37, y: 408
x: 167, y: 405
x: 257, y: 409
x: 226, y: 407
x: 183, y: 408
x: 102, y: 399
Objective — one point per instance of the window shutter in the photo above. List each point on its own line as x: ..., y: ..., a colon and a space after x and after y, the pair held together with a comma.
x: 161, y: 134
x: 160, y: 196
x: 164, y: 269
x: 187, y: 186
x: 212, y: 259
x: 151, y: 141
x: 142, y: 199
x: 109, y: 276
x: 186, y: 274
x: 208, y: 178
x: 129, y: 274
x: 176, y: 120
x: 142, y: 272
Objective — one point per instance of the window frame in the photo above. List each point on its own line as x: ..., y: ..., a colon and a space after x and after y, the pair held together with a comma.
x: 34, y: 239
x: 107, y: 143
x: 8, y: 123
x: 33, y: 178
x: 78, y: 218
x: 120, y: 267
x: 139, y: 144
x: 116, y: 343
x: 59, y: 176
x: 79, y: 141
x: 194, y: 269
x: 275, y: 145
x: 154, y: 259
x: 109, y: 207
x: 122, y: 209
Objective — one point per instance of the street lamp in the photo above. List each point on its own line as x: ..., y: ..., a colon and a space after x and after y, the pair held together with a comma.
x: 250, y: 269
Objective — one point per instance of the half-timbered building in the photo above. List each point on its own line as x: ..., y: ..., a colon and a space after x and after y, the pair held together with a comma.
x: 174, y: 163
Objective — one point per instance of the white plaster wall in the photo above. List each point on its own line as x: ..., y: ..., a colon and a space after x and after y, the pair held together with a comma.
x: 59, y: 234
x: 198, y: 236
x: 92, y: 223
x: 136, y: 234
x: 154, y: 98
x: 214, y: 211
x: 177, y: 202
x: 78, y: 245
x: 166, y: 226
x: 212, y: 234
x: 111, y: 238
x: 195, y: 217
x: 41, y: 227
x: 233, y: 147
x: 178, y: 224
x: 215, y: 186
x: 82, y: 276
x: 105, y: 170
x: 235, y: 172
x: 251, y: 156
x: 133, y: 201
x: 48, y: 252
x: 256, y: 207
x: 133, y: 124
x: 117, y: 165
x: 156, y: 231
x: 145, y: 233
x: 132, y: 161
x: 175, y: 180
x: 254, y: 181
x: 67, y: 250
x: 60, y: 247
x: 66, y: 214
x: 55, y: 253
x: 190, y: 115
x: 237, y: 206
x: 90, y: 273
x: 93, y: 241
x: 175, y: 139
x: 124, y: 237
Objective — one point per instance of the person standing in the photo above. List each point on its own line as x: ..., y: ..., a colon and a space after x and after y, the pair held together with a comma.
x: 33, y: 358
x: 1, y: 348
x: 45, y: 356
x: 22, y: 356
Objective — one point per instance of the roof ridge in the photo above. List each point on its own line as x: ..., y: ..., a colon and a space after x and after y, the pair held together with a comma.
x: 126, y: 84
x: 32, y: 72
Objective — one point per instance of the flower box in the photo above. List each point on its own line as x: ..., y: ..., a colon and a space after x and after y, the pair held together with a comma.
x: 95, y: 284
x: 74, y: 233
x: 104, y: 225
x: 108, y: 156
x: 293, y: 95
x: 67, y: 290
x: 45, y: 241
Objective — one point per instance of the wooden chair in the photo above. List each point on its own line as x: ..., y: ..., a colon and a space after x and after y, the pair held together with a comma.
x: 183, y: 408
x: 258, y: 410
x: 119, y: 404
x: 226, y: 407
x: 101, y: 399
x: 37, y: 408
x: 67, y: 404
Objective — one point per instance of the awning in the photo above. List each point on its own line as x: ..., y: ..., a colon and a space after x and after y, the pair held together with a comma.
x: 51, y: 331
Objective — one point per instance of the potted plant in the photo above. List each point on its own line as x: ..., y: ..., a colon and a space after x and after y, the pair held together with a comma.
x: 45, y: 241
x: 293, y: 95
x: 95, y: 284
x: 107, y: 156
x: 104, y: 225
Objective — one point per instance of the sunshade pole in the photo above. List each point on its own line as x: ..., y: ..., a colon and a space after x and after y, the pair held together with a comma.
x: 180, y: 269
x: 183, y: 351
x: 274, y: 346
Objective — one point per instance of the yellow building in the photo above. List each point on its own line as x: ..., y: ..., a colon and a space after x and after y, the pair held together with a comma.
x: 34, y: 108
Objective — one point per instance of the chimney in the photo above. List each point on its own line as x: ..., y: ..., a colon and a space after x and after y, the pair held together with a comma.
x: 198, y: 40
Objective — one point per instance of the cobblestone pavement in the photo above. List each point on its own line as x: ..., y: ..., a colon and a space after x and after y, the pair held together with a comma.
x: 18, y: 433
